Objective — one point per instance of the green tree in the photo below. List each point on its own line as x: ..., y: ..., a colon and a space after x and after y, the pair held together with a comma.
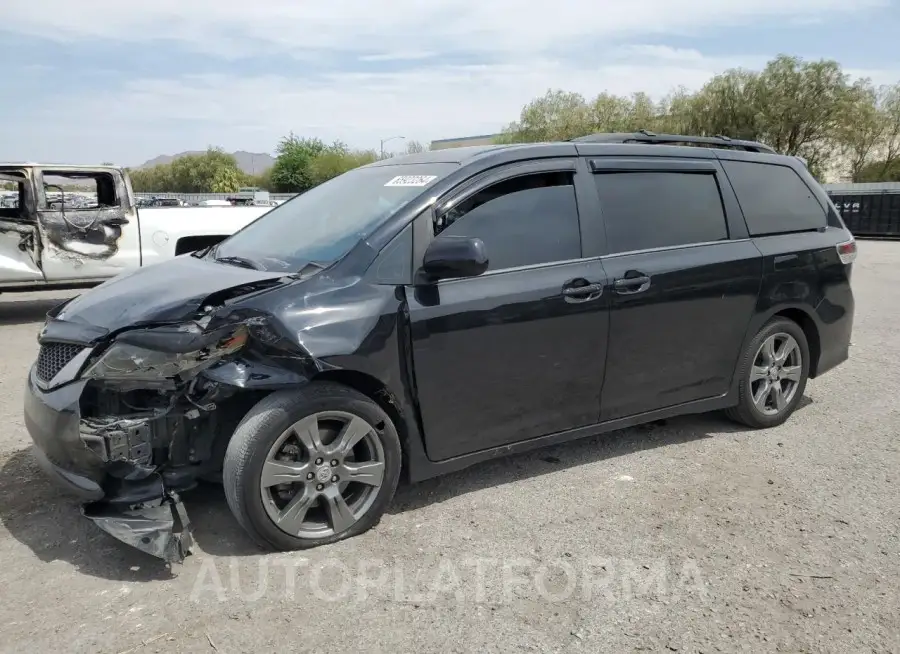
x: 214, y: 171
x: 802, y: 108
x: 292, y: 171
x: 211, y: 172
x: 879, y: 171
x: 557, y: 115
x: 727, y: 105
x: 150, y: 180
x: 261, y: 180
x: 888, y: 151
x: 861, y: 130
x: 338, y: 159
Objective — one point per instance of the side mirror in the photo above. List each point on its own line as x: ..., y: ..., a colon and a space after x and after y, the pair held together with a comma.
x: 455, y: 256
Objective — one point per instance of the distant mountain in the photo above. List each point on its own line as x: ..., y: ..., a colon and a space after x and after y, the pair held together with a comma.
x: 250, y: 162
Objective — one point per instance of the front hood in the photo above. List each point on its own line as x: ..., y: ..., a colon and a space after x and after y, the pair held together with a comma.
x: 165, y: 292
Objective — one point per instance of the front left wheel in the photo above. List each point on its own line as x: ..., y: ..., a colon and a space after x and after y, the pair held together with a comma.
x: 311, y: 467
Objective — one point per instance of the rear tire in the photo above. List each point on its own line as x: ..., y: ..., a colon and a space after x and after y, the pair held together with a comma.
x: 311, y: 466
x: 776, y: 358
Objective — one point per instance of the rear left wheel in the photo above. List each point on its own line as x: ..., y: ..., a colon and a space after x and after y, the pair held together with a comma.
x: 311, y: 467
x: 773, y: 372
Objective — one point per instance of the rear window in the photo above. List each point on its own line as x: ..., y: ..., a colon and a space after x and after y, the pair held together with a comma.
x: 774, y: 199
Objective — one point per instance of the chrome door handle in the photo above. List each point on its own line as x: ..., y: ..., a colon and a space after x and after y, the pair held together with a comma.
x: 632, y: 285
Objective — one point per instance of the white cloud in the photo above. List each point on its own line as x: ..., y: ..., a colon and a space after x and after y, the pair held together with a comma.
x: 150, y: 116
x: 518, y: 41
x: 399, y: 55
x: 154, y: 116
x: 503, y: 26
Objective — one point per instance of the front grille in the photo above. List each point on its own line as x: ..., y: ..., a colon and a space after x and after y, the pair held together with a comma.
x: 53, y: 357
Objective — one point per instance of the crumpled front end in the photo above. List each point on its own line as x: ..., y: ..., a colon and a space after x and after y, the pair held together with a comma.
x: 130, y: 420
x: 120, y: 466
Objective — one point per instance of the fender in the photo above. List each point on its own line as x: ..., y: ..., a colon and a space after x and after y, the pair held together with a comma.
x: 790, y: 310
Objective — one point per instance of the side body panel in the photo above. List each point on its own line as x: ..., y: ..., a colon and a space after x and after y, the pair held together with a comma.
x: 19, y: 240
x: 678, y: 341
x: 804, y: 277
x: 87, y: 244
x: 676, y: 337
x: 506, y: 356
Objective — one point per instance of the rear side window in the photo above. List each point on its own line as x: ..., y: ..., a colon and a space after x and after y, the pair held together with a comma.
x: 523, y: 221
x: 774, y: 199
x: 644, y: 210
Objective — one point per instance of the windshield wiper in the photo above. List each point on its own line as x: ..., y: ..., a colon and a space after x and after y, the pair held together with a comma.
x: 244, y: 262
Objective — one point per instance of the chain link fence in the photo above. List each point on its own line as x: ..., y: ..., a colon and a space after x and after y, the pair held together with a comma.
x: 199, y: 197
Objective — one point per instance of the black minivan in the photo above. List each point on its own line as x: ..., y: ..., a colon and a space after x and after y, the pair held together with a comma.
x: 427, y: 312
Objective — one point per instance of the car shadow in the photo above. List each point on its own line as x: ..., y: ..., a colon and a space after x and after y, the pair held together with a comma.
x: 585, y: 451
x: 20, y: 312
x: 50, y: 524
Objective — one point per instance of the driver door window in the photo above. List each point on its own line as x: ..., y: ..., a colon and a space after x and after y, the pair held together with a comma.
x: 523, y: 221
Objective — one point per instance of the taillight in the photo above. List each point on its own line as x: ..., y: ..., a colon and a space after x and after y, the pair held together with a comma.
x: 847, y: 251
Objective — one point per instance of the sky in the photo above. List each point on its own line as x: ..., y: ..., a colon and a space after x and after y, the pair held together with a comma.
x: 124, y: 81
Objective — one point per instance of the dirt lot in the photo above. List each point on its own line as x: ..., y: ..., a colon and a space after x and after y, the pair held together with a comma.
x: 692, y: 536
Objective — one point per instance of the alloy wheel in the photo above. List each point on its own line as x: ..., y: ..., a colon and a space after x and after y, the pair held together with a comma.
x: 776, y: 373
x: 322, y: 474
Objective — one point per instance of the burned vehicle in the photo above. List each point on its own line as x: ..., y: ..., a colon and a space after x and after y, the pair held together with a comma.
x: 75, y: 226
x: 428, y: 312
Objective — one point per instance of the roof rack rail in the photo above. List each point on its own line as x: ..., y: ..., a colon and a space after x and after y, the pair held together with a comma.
x: 645, y: 136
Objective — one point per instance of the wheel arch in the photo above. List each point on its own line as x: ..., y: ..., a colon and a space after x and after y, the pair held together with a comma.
x: 805, y: 319
x: 378, y: 392
x: 810, y: 329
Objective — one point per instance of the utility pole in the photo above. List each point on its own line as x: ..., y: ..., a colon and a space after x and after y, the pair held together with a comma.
x: 391, y: 138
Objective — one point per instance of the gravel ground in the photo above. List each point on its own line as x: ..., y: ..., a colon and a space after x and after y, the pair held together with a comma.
x: 694, y: 536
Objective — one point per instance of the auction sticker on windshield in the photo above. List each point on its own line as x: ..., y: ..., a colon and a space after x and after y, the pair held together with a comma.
x: 412, y: 180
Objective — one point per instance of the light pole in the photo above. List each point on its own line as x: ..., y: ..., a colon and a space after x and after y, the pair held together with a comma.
x: 383, y: 141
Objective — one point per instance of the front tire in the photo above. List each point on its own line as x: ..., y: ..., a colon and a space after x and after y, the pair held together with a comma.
x: 312, y: 466
x: 773, y: 371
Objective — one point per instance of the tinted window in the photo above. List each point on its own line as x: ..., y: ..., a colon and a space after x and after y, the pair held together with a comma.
x: 523, y: 221
x: 653, y: 210
x: 774, y: 198
x: 395, y: 261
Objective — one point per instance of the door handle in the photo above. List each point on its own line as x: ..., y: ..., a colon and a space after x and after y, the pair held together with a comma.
x: 632, y: 285
x: 583, y: 293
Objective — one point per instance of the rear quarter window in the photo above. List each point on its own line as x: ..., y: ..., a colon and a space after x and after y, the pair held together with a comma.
x: 774, y: 198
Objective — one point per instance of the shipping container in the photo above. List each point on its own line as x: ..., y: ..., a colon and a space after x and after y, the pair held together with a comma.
x: 868, y: 210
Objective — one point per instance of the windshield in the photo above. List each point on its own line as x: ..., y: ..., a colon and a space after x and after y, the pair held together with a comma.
x: 323, y: 224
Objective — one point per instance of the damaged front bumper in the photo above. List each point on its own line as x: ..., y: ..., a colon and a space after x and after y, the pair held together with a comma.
x: 160, y: 528
x: 107, y: 465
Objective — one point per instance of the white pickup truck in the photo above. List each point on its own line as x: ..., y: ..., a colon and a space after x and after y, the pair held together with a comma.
x: 68, y: 227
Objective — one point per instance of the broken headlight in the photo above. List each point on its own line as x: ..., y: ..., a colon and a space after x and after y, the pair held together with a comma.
x: 166, y: 352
